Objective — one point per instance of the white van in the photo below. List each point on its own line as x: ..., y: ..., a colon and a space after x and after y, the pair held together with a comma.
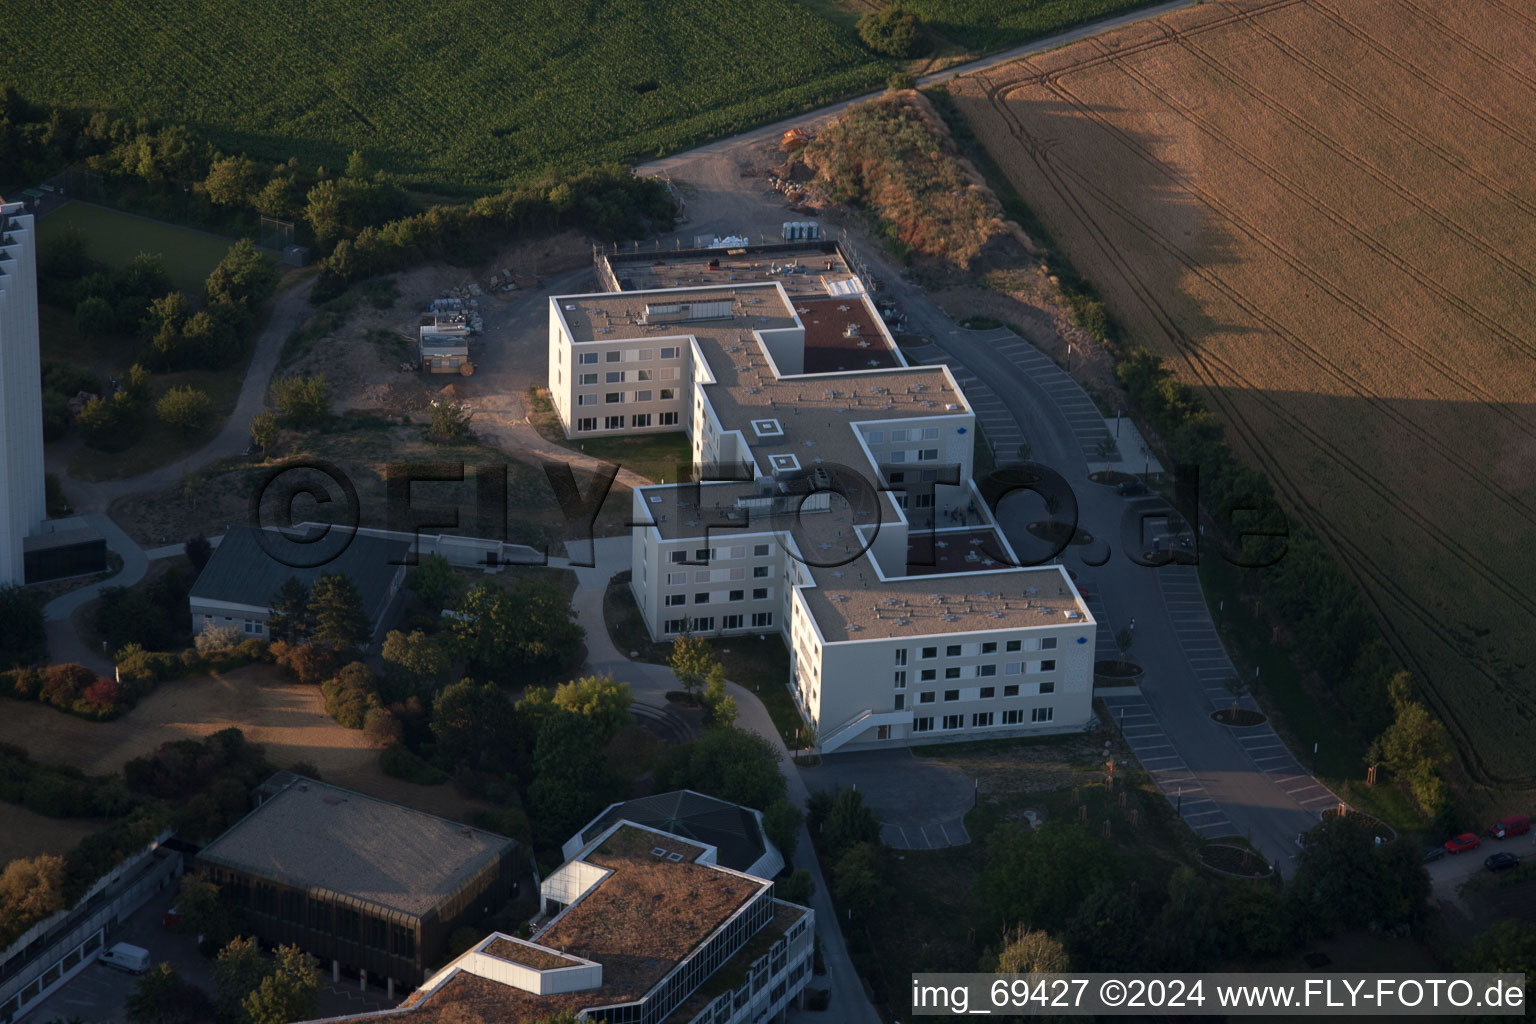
x: 133, y: 959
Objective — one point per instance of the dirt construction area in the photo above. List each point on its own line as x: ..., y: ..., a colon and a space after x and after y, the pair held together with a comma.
x: 1322, y: 214
x: 288, y: 719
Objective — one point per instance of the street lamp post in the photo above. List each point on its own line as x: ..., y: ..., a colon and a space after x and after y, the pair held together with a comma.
x: 1179, y: 809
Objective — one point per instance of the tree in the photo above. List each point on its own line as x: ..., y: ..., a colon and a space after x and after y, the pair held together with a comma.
x: 198, y: 551
x: 163, y: 997
x: 891, y: 30
x: 31, y: 888
x: 264, y: 430
x: 1509, y: 947
x: 603, y: 703
x: 214, y: 638
x: 730, y: 764
x: 23, y: 632
x: 505, y: 632
x: 471, y: 724
x: 203, y: 911
x: 291, y: 992
x: 1039, y: 877
x: 290, y: 619
x: 720, y: 709
x: 849, y: 822
x: 797, y: 888
x: 1031, y: 951
x: 238, y: 971
x: 781, y: 824
x: 691, y: 661
x: 185, y: 408
x: 135, y: 384
x: 1237, y: 686
x: 447, y: 422
x: 856, y: 884
x: 1415, y: 747
x: 233, y: 181
x: 302, y: 401
x: 1124, y: 641
x: 336, y: 609
x: 434, y: 581
x: 416, y: 656
x: 1336, y: 884
x: 1106, y: 930
x: 95, y: 318
x: 245, y: 276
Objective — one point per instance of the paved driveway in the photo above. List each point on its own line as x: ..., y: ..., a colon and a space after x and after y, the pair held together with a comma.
x: 920, y: 803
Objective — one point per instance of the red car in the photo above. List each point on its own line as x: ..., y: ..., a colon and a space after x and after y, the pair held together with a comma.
x: 1462, y: 843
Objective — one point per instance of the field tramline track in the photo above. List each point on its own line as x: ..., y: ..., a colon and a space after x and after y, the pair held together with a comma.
x: 1492, y: 59
x: 1474, y: 473
x: 1364, y: 567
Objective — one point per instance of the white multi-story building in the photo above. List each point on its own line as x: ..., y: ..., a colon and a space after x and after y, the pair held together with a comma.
x: 834, y: 504
x: 22, y: 498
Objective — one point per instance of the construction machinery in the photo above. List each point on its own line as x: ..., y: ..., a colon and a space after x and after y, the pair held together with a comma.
x: 794, y: 139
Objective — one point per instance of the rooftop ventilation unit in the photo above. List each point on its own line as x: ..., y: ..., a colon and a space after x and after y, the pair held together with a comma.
x: 678, y: 312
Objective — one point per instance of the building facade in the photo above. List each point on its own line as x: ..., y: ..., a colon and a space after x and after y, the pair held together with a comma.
x: 832, y: 502
x: 23, y: 503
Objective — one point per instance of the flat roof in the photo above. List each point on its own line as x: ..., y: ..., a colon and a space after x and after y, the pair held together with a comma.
x: 314, y: 835
x: 731, y: 829
x: 800, y: 266
x: 840, y: 334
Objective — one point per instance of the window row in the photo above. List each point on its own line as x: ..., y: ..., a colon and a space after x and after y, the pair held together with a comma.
x: 642, y: 419
x: 983, y: 719
x: 706, y: 624
x: 642, y: 355
x: 1047, y: 643
x: 704, y: 597
x: 910, y: 434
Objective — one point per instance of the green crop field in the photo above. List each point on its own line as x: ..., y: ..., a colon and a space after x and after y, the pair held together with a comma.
x: 114, y: 238
x: 998, y: 24
x: 443, y: 93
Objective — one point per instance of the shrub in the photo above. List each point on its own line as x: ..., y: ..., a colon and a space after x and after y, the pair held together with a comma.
x: 400, y: 762
x: 104, y: 694
x: 381, y: 726
x: 796, y: 887
x: 218, y: 638
x: 302, y: 401
x: 63, y: 684
x: 310, y: 664
x: 351, y: 695
x: 185, y: 408
x: 891, y: 30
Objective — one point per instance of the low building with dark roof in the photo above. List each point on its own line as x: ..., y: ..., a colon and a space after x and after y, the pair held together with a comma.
x: 249, y: 566
x: 642, y: 927
x: 358, y: 881
x: 735, y: 833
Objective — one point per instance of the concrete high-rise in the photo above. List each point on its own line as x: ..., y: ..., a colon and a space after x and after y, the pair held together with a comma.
x: 22, y: 497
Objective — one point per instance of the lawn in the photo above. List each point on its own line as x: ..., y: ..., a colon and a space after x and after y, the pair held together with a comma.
x: 660, y: 458
x: 1307, y: 211
x: 161, y: 443
x: 114, y: 238
x: 288, y: 719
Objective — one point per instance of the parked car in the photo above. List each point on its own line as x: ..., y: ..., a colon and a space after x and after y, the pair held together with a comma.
x: 1433, y: 853
x: 171, y: 918
x: 1514, y: 825
x: 1462, y: 843
x: 1501, y: 862
x: 1128, y: 488
x: 133, y: 959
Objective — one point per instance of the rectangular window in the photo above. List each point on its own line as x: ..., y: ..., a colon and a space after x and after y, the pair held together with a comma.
x: 1013, y: 668
x: 954, y: 721
x: 675, y: 626
x: 642, y: 396
x: 1011, y: 690
x: 898, y: 457
x: 950, y: 695
x: 759, y: 593
x: 588, y: 358
x: 1048, y: 643
x: 762, y: 620
x: 643, y: 375
x: 928, y: 455
x: 901, y: 679
x: 928, y: 674
x: 668, y: 419
x: 613, y: 422
x: 759, y: 572
x: 1014, y: 645
x: 760, y: 550
x: 669, y: 353
x: 981, y: 719
x: 737, y: 595
x: 896, y: 478
x: 898, y: 435
x: 646, y: 355
x: 1048, y: 665
x: 613, y: 357
x: 986, y: 670
x: 701, y: 598
x: 930, y: 652
x: 922, y: 725
x: 1041, y: 714
x: 704, y: 625
x: 586, y: 399
x: 730, y: 621
x: 587, y: 423
x: 1013, y: 716
x: 668, y: 394
x: 676, y: 578
x: 990, y: 647
x: 677, y: 558
x: 926, y: 697
x: 1047, y: 688
x: 615, y: 377
x: 952, y: 651
x: 930, y: 433
x: 901, y: 701
x: 987, y: 692
x: 613, y: 398
x: 877, y: 437
x: 901, y: 655
x: 953, y: 672
x: 640, y: 420
x: 701, y: 555
x: 589, y: 378
x: 673, y: 600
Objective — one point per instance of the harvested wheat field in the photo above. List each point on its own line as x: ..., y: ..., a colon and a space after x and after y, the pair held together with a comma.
x: 288, y: 719
x: 1323, y: 214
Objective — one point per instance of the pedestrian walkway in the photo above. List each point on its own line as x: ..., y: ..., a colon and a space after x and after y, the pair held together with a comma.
x: 1173, y: 777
